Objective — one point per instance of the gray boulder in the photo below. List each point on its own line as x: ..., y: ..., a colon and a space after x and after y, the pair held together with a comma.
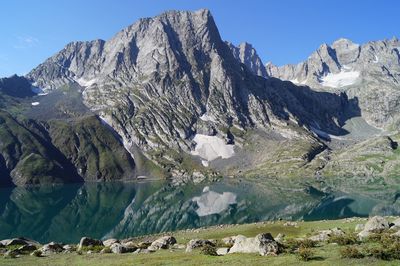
x: 11, y: 254
x: 52, y: 248
x: 162, y: 243
x: 375, y: 224
x: 264, y: 244
x: 198, y: 243
x: 89, y: 242
x: 222, y: 251
x: 118, y: 248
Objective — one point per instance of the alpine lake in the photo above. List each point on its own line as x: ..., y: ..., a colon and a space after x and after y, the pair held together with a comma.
x: 65, y: 213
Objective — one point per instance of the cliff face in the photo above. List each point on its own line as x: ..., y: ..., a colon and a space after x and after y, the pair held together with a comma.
x: 369, y: 72
x: 168, y: 96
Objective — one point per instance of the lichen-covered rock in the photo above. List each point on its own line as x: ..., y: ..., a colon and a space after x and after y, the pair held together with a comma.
x: 264, y: 244
x: 198, y: 243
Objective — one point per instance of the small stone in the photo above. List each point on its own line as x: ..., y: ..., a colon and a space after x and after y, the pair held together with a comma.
x: 222, y: 251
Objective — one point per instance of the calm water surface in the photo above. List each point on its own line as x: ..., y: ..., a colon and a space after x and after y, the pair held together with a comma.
x: 102, y: 210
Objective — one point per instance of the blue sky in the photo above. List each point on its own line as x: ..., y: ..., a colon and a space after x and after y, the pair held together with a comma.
x: 282, y: 31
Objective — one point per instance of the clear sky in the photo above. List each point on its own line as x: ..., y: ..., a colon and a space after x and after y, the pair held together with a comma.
x: 282, y: 31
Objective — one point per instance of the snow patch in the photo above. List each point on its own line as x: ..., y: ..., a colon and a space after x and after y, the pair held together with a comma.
x: 212, y: 147
x: 341, y: 79
x: 35, y: 103
x: 323, y: 134
x: 211, y: 202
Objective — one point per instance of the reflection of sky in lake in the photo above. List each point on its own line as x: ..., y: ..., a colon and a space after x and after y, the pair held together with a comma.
x: 211, y: 202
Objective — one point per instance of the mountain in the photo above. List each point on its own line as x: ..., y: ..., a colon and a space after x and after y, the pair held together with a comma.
x: 369, y: 72
x: 168, y: 97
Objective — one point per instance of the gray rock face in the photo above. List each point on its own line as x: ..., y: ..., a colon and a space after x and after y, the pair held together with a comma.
x: 246, y: 54
x: 369, y: 73
x: 159, y: 80
x: 264, y: 244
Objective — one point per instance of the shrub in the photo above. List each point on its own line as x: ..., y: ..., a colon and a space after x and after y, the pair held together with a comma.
x: 344, y: 240
x: 351, y: 253
x: 292, y: 245
x: 209, y: 250
x: 379, y: 253
x: 305, y: 254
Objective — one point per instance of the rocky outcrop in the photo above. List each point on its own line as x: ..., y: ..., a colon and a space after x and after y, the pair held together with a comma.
x: 375, y: 224
x: 264, y: 244
x: 159, y: 80
x: 162, y: 243
x: 369, y: 73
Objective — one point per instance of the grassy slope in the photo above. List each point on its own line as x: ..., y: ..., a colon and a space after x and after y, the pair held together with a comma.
x: 325, y: 255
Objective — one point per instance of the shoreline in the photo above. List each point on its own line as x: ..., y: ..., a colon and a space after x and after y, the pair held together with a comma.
x: 192, y: 244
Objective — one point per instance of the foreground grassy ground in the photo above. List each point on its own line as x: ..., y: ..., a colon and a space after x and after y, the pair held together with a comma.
x: 326, y: 254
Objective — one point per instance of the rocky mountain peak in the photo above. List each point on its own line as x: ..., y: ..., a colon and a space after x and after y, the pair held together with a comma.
x: 246, y: 54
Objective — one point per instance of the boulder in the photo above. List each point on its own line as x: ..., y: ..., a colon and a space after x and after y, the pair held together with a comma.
x: 118, y: 248
x: 222, y: 251
x: 89, y: 242
x: 198, y: 243
x: 324, y: 235
x: 264, y: 244
x: 52, y: 248
x: 162, y: 243
x: 27, y: 248
x: 375, y: 224
x: 109, y: 242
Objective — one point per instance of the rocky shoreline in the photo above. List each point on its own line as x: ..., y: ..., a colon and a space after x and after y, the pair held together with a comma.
x: 376, y: 229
